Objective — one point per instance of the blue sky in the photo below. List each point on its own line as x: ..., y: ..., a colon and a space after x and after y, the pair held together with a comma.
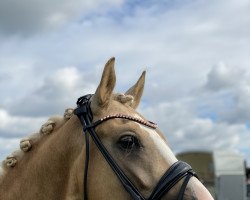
x: 196, y: 54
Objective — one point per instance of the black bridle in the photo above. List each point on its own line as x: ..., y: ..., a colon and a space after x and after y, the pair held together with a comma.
x: 174, y: 174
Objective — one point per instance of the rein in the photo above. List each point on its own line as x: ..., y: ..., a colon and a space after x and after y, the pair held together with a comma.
x: 174, y: 174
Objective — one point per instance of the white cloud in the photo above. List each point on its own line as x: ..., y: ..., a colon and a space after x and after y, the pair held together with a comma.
x: 7, y: 146
x: 223, y: 77
x: 240, y: 112
x: 184, y: 130
x: 27, y: 17
x: 58, y: 91
x: 227, y: 90
x: 14, y: 126
x: 179, y: 43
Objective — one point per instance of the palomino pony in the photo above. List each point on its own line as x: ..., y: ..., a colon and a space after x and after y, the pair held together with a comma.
x: 126, y: 157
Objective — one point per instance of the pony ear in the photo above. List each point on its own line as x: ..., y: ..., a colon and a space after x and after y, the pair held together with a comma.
x: 104, y: 90
x: 137, y: 90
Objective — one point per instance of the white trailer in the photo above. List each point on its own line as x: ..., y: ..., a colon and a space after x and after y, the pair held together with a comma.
x: 222, y: 172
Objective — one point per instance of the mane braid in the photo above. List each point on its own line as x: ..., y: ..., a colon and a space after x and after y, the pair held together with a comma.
x: 125, y: 99
x: 26, y: 144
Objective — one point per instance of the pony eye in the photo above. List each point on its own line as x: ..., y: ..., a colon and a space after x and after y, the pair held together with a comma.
x: 128, y: 142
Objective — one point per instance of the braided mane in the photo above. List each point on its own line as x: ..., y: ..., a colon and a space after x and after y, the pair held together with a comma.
x: 26, y: 144
x: 125, y: 99
x: 52, y: 124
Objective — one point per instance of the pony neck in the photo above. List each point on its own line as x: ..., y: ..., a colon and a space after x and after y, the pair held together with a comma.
x: 45, y: 170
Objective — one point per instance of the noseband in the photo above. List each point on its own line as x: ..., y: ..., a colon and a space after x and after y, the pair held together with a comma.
x: 174, y: 174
